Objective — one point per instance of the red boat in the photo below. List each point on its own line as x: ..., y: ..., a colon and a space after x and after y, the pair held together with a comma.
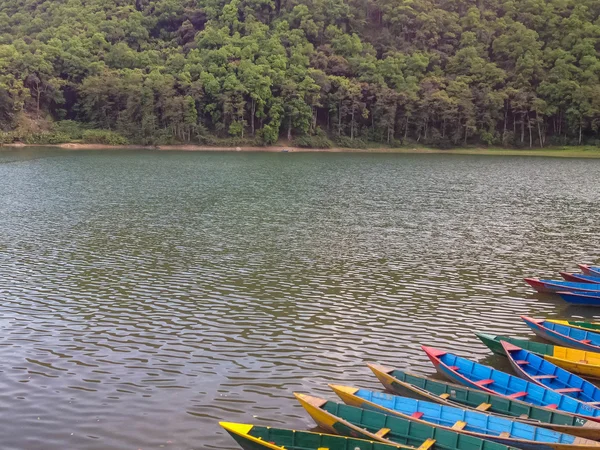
x: 553, y: 286
x: 580, y: 278
x: 590, y: 270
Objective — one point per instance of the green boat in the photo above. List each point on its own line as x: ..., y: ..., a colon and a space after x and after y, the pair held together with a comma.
x: 403, y: 383
x: 366, y: 424
x: 493, y: 343
x: 253, y: 437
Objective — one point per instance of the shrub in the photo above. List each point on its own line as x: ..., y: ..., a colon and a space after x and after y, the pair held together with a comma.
x: 317, y: 141
x: 346, y: 142
x: 70, y: 128
x: 105, y: 137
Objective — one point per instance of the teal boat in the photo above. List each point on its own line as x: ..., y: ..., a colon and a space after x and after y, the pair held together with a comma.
x: 474, y: 423
x: 372, y: 425
x: 255, y: 437
x: 493, y: 343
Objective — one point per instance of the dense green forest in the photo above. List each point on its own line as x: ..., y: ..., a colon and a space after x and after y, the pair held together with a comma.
x: 522, y: 73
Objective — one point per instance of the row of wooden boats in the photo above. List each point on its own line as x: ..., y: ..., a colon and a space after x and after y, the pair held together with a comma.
x: 577, y: 288
x: 548, y: 404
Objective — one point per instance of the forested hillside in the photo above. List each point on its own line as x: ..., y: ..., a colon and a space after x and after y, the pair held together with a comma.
x: 437, y: 72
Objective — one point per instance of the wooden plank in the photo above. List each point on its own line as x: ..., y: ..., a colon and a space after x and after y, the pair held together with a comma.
x: 543, y: 377
x: 445, y: 396
x: 517, y: 395
x: 484, y: 407
x: 383, y: 432
x: 427, y: 444
x: 459, y: 425
x: 567, y: 390
x: 504, y: 434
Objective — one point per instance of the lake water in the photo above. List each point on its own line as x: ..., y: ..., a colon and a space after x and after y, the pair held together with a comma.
x: 145, y: 296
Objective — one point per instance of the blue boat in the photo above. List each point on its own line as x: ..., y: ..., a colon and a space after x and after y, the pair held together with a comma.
x: 537, y: 370
x: 553, y: 286
x: 488, y: 379
x: 580, y: 278
x: 577, y: 298
x: 590, y: 270
x: 474, y: 423
x: 564, y: 335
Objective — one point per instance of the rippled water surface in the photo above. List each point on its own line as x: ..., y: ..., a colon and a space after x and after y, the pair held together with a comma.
x: 146, y: 296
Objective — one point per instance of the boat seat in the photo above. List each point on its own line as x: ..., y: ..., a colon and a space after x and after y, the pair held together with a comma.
x: 482, y: 383
x: 543, y: 377
x: 521, y: 362
x: 585, y: 341
x: 567, y: 390
x: 427, y: 444
x: 484, y: 407
x: 454, y: 368
x: 517, y: 395
x: 416, y: 415
x: 382, y: 432
x: 445, y: 395
x: 459, y: 425
x: 551, y: 406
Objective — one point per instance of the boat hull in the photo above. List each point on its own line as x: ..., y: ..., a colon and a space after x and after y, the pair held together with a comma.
x: 488, y: 379
x: 590, y: 270
x: 493, y: 343
x: 543, y: 372
x: 251, y: 437
x: 369, y: 424
x: 554, y: 286
x: 559, y: 338
x: 571, y: 359
x: 589, y: 326
x: 495, y: 426
x: 418, y: 387
x: 580, y: 299
x: 580, y: 278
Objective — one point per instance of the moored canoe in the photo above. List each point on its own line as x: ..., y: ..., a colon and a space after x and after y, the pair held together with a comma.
x: 571, y: 359
x: 488, y: 379
x: 553, y: 286
x: 493, y: 343
x: 564, y: 335
x: 590, y: 270
x: 580, y: 278
x: 372, y: 425
x: 581, y: 298
x: 254, y: 437
x: 474, y: 423
x: 593, y: 326
x: 402, y: 383
x: 537, y: 370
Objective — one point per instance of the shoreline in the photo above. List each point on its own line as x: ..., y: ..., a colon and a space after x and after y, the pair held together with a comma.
x: 559, y: 152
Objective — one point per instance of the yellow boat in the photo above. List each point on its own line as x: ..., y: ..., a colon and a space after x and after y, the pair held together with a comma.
x: 578, y: 361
